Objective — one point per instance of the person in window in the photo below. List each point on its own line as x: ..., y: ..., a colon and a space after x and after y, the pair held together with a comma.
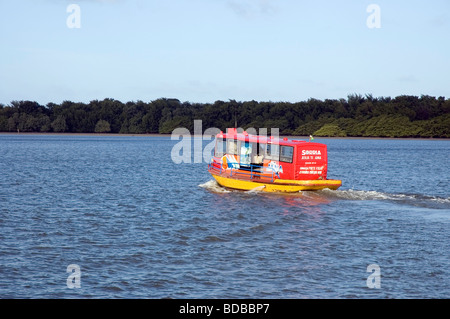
x: 258, y: 158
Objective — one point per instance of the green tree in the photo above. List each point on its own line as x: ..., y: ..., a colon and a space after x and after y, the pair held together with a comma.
x: 44, y: 123
x: 332, y: 130
x: 102, y: 126
x: 59, y: 124
x: 13, y: 122
x: 29, y: 123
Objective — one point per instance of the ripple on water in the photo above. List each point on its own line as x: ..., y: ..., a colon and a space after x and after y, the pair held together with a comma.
x: 140, y: 226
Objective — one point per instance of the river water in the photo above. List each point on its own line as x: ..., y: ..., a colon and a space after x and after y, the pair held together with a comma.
x: 114, y: 217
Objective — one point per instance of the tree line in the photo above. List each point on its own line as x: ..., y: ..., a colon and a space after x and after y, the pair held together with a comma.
x: 356, y: 116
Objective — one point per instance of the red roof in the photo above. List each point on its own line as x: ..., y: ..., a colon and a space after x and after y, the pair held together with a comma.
x: 244, y: 136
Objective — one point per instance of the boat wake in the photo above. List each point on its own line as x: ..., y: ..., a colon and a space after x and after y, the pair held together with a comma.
x: 408, y: 199
x: 351, y: 194
x: 374, y: 195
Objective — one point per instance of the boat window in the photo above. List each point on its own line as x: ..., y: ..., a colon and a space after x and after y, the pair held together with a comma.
x: 220, y: 148
x: 272, y: 152
x: 286, y: 154
x: 232, y: 147
x: 261, y: 149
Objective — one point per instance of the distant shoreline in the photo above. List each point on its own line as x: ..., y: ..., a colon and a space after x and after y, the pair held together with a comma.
x: 168, y: 135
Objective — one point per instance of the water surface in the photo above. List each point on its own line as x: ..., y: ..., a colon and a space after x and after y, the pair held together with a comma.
x: 140, y: 226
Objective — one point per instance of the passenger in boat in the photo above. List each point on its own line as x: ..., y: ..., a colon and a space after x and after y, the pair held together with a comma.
x: 257, y: 163
x: 257, y: 159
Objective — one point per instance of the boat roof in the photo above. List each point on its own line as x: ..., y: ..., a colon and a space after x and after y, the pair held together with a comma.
x: 244, y: 136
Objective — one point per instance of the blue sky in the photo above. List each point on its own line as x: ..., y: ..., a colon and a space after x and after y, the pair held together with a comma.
x: 208, y: 50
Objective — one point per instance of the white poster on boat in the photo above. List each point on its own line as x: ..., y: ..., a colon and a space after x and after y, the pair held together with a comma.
x: 246, y: 151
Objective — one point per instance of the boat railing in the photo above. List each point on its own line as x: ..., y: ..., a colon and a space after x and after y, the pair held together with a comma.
x: 216, y: 166
x: 253, y: 172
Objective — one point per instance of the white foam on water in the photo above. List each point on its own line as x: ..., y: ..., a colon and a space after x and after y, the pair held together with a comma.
x: 350, y: 194
x: 441, y: 200
x: 213, y: 186
x: 410, y: 199
x: 257, y: 189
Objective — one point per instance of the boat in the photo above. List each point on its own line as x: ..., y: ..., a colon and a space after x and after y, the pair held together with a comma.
x: 246, y: 162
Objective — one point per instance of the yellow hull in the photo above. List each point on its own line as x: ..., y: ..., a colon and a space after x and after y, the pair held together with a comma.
x: 279, y: 185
